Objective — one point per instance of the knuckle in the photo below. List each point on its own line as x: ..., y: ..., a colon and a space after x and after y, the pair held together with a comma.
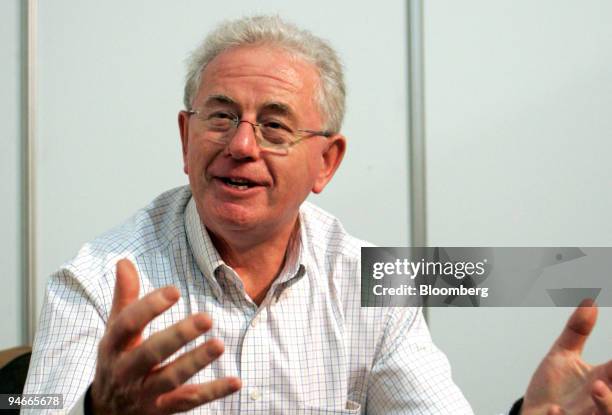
x: 197, y: 359
x: 183, y: 333
x: 126, y: 323
x: 103, y: 346
x: 205, y: 395
x: 151, y: 355
x: 156, y: 300
x: 192, y: 399
x: 118, y: 372
x: 185, y: 368
x: 171, y: 381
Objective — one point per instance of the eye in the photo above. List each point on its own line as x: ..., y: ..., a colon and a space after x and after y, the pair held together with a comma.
x: 275, y: 125
x: 221, y: 115
x: 220, y: 121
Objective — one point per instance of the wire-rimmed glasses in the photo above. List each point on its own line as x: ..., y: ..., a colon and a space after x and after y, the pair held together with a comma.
x: 272, y: 135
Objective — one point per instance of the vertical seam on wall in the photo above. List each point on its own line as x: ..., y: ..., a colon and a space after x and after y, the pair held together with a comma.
x: 416, y: 117
x: 30, y: 173
x: 416, y: 121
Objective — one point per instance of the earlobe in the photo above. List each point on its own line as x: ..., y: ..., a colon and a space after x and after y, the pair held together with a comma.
x: 331, y: 159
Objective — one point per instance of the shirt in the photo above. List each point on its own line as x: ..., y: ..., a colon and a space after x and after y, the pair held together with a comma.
x: 309, y: 348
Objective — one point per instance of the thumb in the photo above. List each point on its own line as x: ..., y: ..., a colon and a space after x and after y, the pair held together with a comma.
x: 127, y: 286
x: 602, y: 395
x: 578, y: 327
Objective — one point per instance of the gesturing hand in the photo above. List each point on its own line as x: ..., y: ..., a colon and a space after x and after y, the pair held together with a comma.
x: 564, y: 384
x: 129, y: 377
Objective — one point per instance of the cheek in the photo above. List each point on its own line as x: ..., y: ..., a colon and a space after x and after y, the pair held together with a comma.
x: 300, y: 173
x: 312, y: 163
x: 199, y: 158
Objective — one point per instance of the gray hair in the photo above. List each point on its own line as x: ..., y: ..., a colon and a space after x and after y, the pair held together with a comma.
x: 331, y: 92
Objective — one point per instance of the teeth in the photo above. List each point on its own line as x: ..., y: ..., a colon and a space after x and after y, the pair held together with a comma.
x: 241, y: 187
x: 241, y: 184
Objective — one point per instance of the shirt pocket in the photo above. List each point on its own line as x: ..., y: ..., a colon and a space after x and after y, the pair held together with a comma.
x: 351, y: 407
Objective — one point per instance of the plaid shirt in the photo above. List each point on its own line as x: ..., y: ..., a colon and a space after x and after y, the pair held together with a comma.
x: 309, y: 348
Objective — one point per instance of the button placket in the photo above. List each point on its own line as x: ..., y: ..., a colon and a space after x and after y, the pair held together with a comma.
x: 259, y: 318
x: 255, y: 369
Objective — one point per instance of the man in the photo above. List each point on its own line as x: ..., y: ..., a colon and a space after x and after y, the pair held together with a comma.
x: 238, y: 296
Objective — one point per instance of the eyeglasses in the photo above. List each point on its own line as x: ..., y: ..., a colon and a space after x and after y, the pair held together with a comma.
x: 272, y: 135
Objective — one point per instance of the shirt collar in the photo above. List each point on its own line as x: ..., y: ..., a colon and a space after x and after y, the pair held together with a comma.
x: 209, y: 260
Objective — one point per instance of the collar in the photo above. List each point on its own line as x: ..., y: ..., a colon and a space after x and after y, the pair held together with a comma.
x: 213, y: 267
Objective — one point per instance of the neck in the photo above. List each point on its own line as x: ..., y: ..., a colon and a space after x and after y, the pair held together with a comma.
x: 257, y: 263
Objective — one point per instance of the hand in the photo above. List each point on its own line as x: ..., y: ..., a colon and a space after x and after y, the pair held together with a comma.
x: 129, y: 377
x: 564, y: 384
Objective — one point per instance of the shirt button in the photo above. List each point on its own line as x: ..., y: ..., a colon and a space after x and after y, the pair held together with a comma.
x: 255, y: 394
x: 258, y: 318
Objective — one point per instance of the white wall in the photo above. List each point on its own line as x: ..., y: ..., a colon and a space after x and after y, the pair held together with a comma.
x: 111, y: 77
x: 518, y: 98
x: 11, y: 134
x: 517, y: 137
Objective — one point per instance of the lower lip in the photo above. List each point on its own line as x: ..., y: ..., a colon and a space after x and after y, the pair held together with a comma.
x: 234, y: 191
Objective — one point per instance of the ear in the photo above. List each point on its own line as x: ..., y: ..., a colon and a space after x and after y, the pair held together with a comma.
x: 183, y: 122
x: 332, y: 157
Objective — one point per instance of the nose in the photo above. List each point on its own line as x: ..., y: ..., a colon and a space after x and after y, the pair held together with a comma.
x: 243, y: 144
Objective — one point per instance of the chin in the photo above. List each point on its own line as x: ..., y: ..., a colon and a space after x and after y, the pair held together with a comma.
x: 234, y: 216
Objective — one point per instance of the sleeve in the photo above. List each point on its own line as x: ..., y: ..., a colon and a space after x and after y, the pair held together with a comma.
x: 66, y: 343
x: 516, y: 408
x: 410, y: 375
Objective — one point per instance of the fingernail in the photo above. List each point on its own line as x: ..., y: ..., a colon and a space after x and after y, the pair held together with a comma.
x: 171, y: 293
x: 214, y: 349
x: 599, y: 389
x: 202, y: 321
x: 587, y: 302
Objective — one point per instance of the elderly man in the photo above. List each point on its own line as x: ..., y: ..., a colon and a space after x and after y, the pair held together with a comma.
x: 233, y: 295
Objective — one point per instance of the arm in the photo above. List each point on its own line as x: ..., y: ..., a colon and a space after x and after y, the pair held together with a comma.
x: 64, y: 352
x: 130, y: 375
x: 410, y: 375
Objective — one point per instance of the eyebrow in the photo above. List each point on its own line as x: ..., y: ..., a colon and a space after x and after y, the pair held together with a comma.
x: 219, y: 99
x: 279, y: 108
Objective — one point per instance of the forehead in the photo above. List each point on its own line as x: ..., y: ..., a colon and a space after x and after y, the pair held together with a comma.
x: 252, y: 75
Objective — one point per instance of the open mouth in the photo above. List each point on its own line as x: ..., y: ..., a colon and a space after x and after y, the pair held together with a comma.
x: 241, y: 184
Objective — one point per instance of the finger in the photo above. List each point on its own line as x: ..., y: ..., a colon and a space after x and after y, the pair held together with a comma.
x: 191, y: 396
x: 178, y: 372
x: 161, y: 345
x: 127, y: 287
x: 135, y: 316
x: 602, y: 396
x: 578, y: 327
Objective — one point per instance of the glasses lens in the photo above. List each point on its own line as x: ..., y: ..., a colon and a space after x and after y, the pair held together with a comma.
x: 218, y: 125
x: 272, y: 137
x: 220, y: 121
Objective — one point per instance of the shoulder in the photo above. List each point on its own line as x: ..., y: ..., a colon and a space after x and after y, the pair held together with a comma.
x: 334, y: 255
x: 326, y: 235
x: 148, y: 231
x: 335, y: 258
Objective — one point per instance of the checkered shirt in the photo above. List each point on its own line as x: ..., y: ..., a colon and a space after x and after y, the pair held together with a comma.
x: 309, y: 348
